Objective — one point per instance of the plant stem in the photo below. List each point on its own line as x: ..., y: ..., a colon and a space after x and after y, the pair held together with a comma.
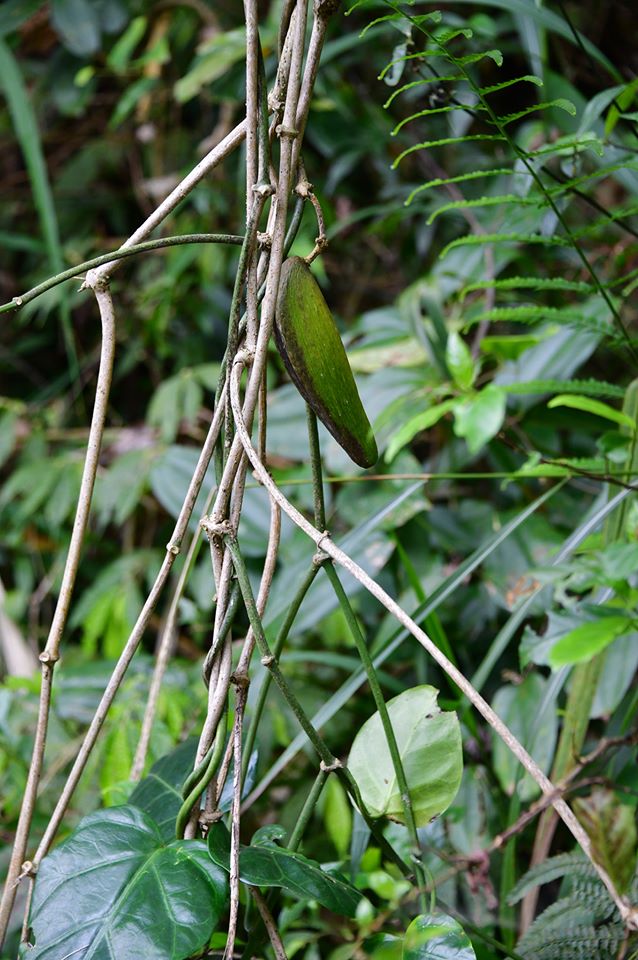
x: 330, y: 762
x: 307, y: 810
x: 200, y: 778
x: 280, y: 640
x: 132, y: 251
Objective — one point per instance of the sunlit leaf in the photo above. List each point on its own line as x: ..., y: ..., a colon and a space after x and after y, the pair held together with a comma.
x: 437, y: 937
x: 429, y: 743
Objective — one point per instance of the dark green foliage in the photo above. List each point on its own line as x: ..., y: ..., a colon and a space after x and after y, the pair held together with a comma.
x: 482, y: 230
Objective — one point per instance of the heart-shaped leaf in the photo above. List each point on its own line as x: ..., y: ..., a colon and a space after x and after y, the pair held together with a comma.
x: 429, y: 743
x: 268, y: 865
x: 437, y: 937
x: 114, y: 889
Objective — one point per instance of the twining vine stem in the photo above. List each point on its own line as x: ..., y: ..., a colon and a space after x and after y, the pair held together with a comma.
x: 628, y: 912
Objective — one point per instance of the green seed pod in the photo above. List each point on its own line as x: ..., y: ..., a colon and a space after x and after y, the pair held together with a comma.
x: 310, y: 346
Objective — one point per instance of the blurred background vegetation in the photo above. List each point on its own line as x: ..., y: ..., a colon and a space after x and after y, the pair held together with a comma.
x: 107, y: 104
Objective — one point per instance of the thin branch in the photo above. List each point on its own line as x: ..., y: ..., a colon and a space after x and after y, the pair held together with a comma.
x: 165, y: 649
x: 51, y: 653
x: 172, y: 550
x: 160, y: 244
x: 176, y: 196
x: 269, y: 923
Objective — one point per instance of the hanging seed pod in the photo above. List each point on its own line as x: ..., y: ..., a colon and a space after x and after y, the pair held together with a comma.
x: 310, y: 346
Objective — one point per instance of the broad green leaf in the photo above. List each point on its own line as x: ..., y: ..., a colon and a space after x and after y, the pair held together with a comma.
x: 587, y: 405
x: 585, y: 641
x: 120, y: 487
x: 611, y: 827
x: 77, y: 24
x: 429, y: 743
x: 437, y: 937
x: 531, y: 716
x: 113, y: 889
x: 8, y: 433
x: 459, y: 361
x: 479, y: 418
x: 27, y: 133
x: 118, y: 752
x: 417, y: 423
x: 268, y: 865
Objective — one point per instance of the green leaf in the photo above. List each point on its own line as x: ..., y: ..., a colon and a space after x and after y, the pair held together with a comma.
x: 437, y: 937
x: 113, y: 889
x: 611, y: 827
x: 417, y: 423
x: 214, y: 58
x: 459, y: 361
x: 585, y: 641
x: 429, y: 743
x: 15, y: 12
x: 509, y: 348
x: 268, y: 865
x: 596, y: 407
x: 176, y: 399
x: 123, y: 49
x: 531, y: 716
x: 77, y: 24
x: 26, y: 129
x: 479, y: 418
x: 337, y: 814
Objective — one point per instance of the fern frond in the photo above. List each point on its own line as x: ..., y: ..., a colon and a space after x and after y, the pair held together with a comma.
x: 434, y: 16
x: 560, y: 102
x: 565, y: 146
x: 584, y: 942
x: 524, y: 313
x: 529, y: 283
x: 426, y: 81
x: 498, y: 200
x: 446, y: 36
x: 588, y: 388
x: 495, y: 87
x: 431, y: 111
x: 559, y: 315
x: 471, y: 175
x: 481, y: 239
x: 588, y: 177
x: 551, y: 869
x: 444, y: 142
x: 470, y: 58
x: 610, y: 217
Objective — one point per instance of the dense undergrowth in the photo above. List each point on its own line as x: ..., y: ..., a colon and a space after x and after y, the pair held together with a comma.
x: 477, y: 170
